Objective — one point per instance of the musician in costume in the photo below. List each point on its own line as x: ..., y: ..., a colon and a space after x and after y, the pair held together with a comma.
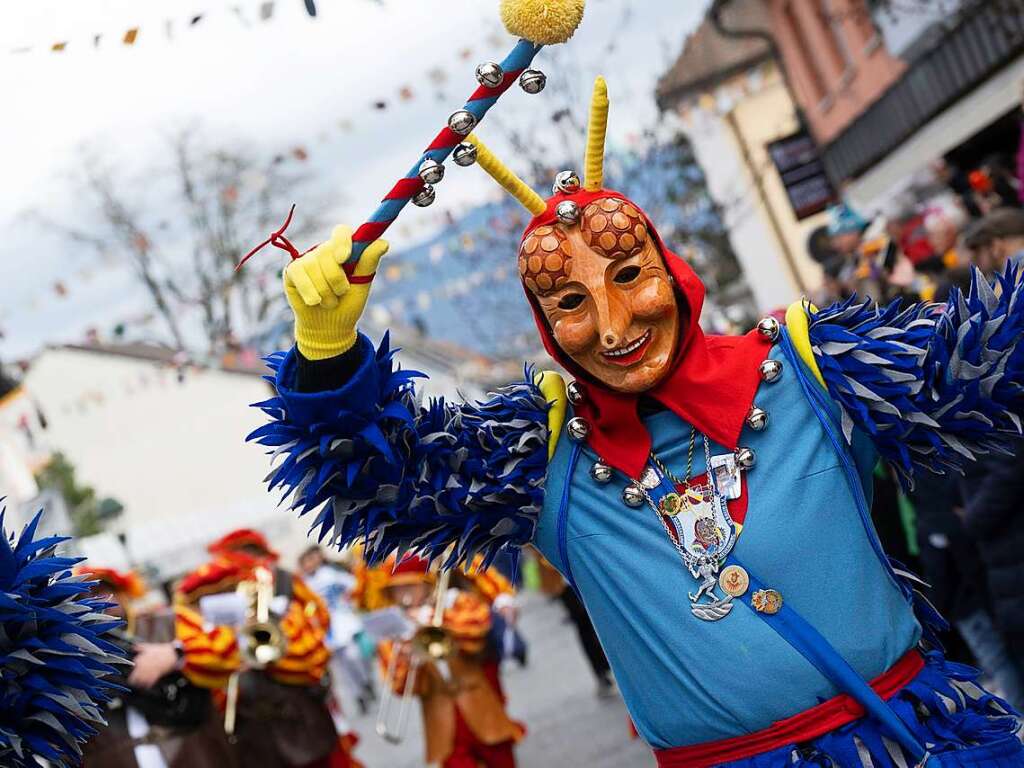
x: 464, y: 719
x: 160, y: 719
x: 707, y: 497
x: 282, y: 718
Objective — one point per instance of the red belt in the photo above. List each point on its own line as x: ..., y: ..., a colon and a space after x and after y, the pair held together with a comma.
x: 805, y: 726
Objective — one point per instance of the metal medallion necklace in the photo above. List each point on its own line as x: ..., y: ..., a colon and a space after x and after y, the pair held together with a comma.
x: 696, y: 518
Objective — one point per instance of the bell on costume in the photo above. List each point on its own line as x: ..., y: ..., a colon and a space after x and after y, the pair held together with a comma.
x: 601, y: 472
x: 633, y: 495
x: 770, y: 370
x: 757, y: 419
x: 745, y: 458
x: 769, y: 328
x: 566, y: 182
x: 568, y: 212
x: 574, y: 392
x: 578, y: 429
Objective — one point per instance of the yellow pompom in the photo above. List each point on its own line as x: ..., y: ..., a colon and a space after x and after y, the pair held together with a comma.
x: 545, y: 22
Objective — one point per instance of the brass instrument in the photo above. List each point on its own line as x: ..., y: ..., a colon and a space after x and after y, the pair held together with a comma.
x: 260, y: 639
x: 429, y: 643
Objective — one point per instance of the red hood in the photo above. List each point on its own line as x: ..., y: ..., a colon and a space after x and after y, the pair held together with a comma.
x: 711, y: 384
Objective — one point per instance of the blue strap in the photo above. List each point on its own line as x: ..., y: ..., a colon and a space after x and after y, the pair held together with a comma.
x: 805, y: 639
x: 563, y: 517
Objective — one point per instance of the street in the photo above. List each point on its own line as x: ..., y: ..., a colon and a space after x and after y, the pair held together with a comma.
x: 554, y: 697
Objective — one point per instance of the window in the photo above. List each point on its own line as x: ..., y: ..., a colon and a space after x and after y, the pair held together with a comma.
x: 801, y: 54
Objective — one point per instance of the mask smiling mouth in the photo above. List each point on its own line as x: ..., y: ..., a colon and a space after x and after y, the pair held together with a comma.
x: 629, y: 353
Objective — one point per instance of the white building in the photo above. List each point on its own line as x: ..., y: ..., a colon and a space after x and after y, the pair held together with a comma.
x: 167, y: 441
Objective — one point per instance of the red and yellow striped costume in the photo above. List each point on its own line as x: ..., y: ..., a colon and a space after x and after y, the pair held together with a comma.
x: 212, y: 653
x: 464, y: 719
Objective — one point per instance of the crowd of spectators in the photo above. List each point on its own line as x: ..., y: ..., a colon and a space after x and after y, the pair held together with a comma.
x: 965, y: 535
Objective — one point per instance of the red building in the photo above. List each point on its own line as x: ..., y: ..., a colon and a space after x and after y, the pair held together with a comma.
x: 836, y: 60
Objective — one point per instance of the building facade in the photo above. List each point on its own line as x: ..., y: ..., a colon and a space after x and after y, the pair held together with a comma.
x: 737, y: 111
x: 894, y: 91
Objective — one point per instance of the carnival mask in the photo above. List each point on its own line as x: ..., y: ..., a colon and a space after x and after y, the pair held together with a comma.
x: 606, y: 295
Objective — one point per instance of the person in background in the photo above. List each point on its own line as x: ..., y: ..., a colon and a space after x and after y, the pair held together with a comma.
x: 350, y: 667
x: 497, y: 590
x: 552, y: 584
x: 161, y: 720
x: 465, y: 724
x: 1005, y: 226
x: 977, y: 241
x: 993, y: 515
x: 283, y: 719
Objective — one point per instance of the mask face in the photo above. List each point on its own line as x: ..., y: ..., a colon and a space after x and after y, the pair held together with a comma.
x: 606, y: 294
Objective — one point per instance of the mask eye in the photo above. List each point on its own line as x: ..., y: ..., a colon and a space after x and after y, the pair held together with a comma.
x: 627, y: 274
x: 571, y: 301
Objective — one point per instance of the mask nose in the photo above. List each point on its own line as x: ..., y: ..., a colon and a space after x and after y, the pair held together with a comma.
x: 612, y: 320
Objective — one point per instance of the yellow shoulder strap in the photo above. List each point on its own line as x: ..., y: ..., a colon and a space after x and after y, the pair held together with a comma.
x: 799, y: 333
x: 552, y: 386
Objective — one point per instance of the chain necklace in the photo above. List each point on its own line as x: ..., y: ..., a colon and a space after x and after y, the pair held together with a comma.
x: 692, y: 562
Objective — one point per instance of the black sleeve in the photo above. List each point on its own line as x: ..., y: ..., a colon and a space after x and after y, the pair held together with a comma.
x: 324, y: 375
x: 997, y: 497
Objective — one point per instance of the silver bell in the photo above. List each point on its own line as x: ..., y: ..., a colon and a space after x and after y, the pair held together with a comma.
x: 757, y: 419
x: 424, y: 197
x: 769, y: 328
x: 464, y: 155
x: 462, y: 122
x: 489, y: 74
x: 568, y: 212
x: 566, y: 182
x: 575, y: 393
x: 770, y: 370
x: 633, y: 495
x: 745, y: 458
x: 601, y: 472
x: 533, y: 81
x: 431, y: 171
x: 578, y: 429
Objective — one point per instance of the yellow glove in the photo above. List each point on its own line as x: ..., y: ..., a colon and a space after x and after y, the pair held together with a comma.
x: 325, y: 304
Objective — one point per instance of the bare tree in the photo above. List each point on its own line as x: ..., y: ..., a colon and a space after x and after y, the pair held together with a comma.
x: 183, y: 232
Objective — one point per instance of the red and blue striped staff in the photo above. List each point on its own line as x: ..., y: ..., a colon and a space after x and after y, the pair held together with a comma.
x: 537, y: 23
x: 430, y: 165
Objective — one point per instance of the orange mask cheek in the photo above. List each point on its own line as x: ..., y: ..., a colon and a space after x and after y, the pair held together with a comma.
x: 575, y: 333
x: 653, y: 299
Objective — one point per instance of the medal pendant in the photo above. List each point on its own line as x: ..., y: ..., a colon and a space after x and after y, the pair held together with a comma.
x: 706, y: 534
x: 671, y: 504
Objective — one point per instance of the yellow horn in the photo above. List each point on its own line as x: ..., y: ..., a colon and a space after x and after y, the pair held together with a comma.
x: 515, y: 186
x: 594, y: 165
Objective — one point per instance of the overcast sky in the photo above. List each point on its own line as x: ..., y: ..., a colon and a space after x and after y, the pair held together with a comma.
x: 285, y: 82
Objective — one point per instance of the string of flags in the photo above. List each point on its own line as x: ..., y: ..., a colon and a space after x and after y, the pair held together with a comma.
x: 264, y: 12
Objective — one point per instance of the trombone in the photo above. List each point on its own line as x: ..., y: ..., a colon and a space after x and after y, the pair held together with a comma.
x: 261, y: 639
x: 429, y: 643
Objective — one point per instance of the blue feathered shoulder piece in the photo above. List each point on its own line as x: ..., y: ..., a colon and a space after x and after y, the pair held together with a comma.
x: 379, y: 468
x: 932, y: 385
x: 56, y: 658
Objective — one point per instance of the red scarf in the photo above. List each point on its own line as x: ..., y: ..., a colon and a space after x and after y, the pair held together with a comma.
x: 711, y: 384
